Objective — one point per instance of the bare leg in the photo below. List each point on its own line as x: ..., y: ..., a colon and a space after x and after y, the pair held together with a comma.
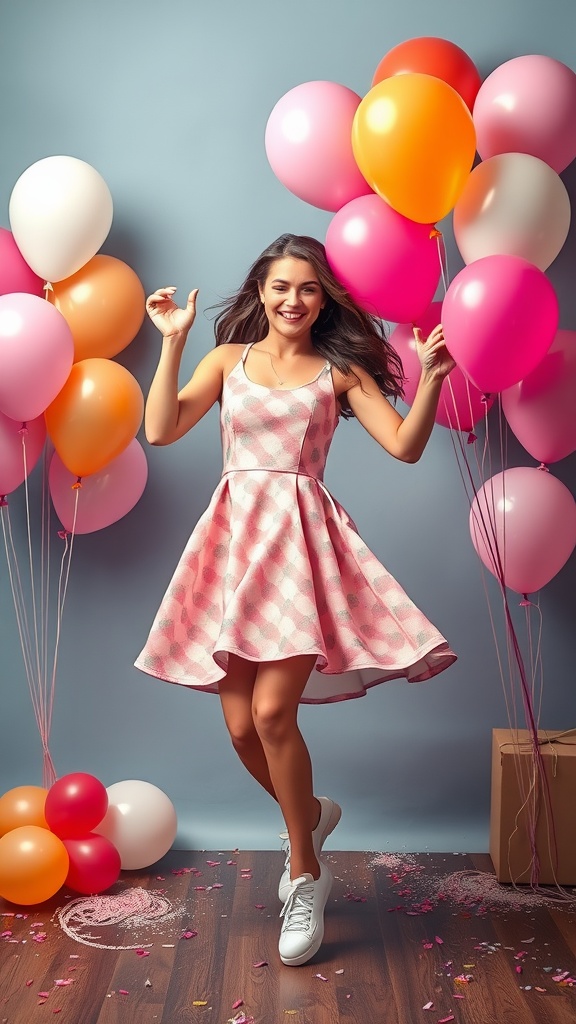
x: 235, y: 692
x: 277, y: 691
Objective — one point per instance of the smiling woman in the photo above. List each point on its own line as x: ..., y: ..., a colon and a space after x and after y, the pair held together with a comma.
x: 276, y: 600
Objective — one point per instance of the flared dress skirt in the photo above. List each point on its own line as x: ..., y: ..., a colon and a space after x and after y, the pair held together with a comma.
x: 275, y: 566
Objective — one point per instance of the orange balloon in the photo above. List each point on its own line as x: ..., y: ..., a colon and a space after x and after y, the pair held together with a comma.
x: 414, y: 141
x: 23, y: 805
x: 33, y: 865
x: 431, y: 55
x: 103, y: 305
x: 95, y: 415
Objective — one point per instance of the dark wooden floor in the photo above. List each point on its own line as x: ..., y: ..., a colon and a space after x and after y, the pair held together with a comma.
x: 402, y: 944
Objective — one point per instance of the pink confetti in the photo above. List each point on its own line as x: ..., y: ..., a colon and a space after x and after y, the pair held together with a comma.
x: 441, y: 943
x: 62, y: 982
x: 341, y: 971
x: 39, y: 937
x: 427, y: 945
x: 429, y: 1006
x: 260, y: 906
x: 190, y: 934
x: 217, y: 885
x: 142, y: 952
x: 28, y: 983
x: 444, y: 1020
x: 59, y: 1010
x: 213, y: 863
x: 43, y: 995
x: 5, y: 935
x: 231, y: 863
x: 261, y: 963
x: 37, y: 924
x: 239, y: 1002
x: 518, y: 969
x: 199, y: 888
x: 528, y: 940
x: 321, y: 976
x: 123, y: 992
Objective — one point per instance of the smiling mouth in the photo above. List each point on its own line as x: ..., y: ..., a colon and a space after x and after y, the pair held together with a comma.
x: 291, y: 316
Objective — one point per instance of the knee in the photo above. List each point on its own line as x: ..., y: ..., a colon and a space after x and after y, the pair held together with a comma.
x: 273, y: 721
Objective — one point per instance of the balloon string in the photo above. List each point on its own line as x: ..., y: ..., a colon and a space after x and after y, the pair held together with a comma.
x: 537, y: 796
x: 442, y: 257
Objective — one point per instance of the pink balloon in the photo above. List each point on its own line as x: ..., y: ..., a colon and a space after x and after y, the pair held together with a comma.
x: 523, y: 527
x: 541, y: 409
x: 36, y: 354
x: 528, y: 105
x: 75, y: 804
x: 20, y: 448
x: 15, y: 274
x: 500, y: 315
x: 94, y: 863
x: 390, y: 265
x: 461, y: 405
x: 105, y: 496
x: 308, y: 144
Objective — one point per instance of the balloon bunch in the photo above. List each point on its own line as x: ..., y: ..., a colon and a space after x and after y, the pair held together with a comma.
x: 392, y: 164
x: 56, y: 367
x: 79, y: 834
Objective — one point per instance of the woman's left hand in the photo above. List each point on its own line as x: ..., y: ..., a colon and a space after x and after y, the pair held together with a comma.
x: 435, y: 359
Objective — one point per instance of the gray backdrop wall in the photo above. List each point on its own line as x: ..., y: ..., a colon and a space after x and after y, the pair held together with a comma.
x: 169, y: 102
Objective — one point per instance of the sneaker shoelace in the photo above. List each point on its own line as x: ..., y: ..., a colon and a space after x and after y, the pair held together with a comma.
x: 286, y: 849
x: 297, y: 910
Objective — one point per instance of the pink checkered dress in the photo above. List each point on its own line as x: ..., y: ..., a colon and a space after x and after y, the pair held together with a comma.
x: 275, y: 566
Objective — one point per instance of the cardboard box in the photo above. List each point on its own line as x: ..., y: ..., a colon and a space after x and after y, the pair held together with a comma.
x: 525, y: 794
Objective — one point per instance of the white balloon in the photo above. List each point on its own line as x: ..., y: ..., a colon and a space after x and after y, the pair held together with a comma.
x: 140, y: 822
x: 513, y: 204
x: 60, y: 214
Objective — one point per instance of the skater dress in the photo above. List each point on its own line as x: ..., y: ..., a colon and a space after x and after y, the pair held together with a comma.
x: 275, y: 566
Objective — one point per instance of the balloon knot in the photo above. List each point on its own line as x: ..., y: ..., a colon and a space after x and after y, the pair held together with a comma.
x: 62, y: 534
x: 435, y: 233
x: 543, y: 467
x: 48, y: 287
x: 525, y: 602
x: 77, y: 486
x: 23, y: 430
x: 486, y: 397
x: 3, y: 500
x: 471, y: 438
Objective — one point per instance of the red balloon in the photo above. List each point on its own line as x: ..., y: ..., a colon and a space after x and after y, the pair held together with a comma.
x: 429, y: 55
x: 75, y: 805
x: 94, y: 864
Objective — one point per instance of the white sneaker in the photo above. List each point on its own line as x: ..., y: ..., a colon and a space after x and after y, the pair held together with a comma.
x: 330, y: 815
x: 303, y: 912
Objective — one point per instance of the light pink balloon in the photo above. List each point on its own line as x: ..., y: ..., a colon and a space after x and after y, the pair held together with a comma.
x: 105, y: 496
x: 528, y: 105
x: 308, y: 144
x: 541, y: 409
x: 36, y: 354
x: 523, y: 527
x: 20, y: 448
x: 461, y: 405
x: 500, y: 315
x: 15, y: 274
x: 390, y: 265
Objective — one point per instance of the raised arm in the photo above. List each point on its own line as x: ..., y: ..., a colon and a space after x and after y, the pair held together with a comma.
x: 404, y: 438
x: 170, y: 413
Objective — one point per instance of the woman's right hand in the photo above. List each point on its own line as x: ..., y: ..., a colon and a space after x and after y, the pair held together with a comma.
x: 169, y: 318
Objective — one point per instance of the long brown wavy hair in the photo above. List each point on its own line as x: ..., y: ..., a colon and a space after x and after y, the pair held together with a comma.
x: 344, y: 333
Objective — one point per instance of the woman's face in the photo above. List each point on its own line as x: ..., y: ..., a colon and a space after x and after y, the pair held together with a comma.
x: 292, y: 297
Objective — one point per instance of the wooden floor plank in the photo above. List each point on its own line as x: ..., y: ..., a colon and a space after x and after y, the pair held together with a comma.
x: 398, y: 944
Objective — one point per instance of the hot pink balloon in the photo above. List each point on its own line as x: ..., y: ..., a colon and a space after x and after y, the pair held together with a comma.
x: 528, y: 105
x: 15, y: 274
x: 461, y: 405
x: 75, y: 805
x: 21, y: 445
x: 541, y: 409
x: 105, y: 496
x: 94, y: 863
x: 308, y: 144
x: 390, y: 265
x: 500, y: 315
x: 523, y: 527
x: 36, y: 354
